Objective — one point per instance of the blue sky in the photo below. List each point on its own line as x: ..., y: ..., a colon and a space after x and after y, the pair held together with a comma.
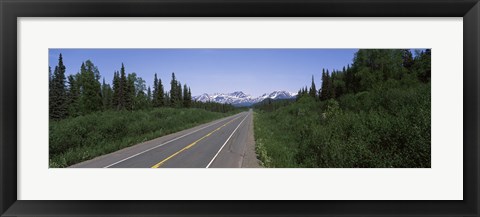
x: 253, y: 71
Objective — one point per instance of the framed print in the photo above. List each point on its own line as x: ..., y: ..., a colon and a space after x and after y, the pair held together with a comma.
x: 231, y: 108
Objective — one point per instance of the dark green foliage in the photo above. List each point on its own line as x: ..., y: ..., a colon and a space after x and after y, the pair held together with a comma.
x: 179, y: 102
x: 58, y: 92
x: 270, y: 105
x: 407, y: 59
x: 326, y: 90
x: 213, y: 106
x: 49, y: 78
x: 422, y: 65
x: 376, y: 113
x: 302, y: 92
x: 107, y: 95
x: 74, y: 95
x: 187, y: 98
x: 137, y: 94
x: 167, y: 99
x: 122, y: 91
x: 91, y: 94
x: 367, y: 129
x: 158, y: 92
x: 313, y: 90
x: 74, y: 140
x: 149, y: 95
x: 174, y: 91
x: 116, y: 90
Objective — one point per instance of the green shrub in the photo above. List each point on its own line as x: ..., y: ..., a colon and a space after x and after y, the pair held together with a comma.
x: 382, y: 127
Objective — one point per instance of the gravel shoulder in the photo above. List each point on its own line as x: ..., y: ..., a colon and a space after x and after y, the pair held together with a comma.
x: 250, y: 159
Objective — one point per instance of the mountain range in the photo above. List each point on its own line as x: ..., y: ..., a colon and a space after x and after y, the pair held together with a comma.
x: 238, y: 98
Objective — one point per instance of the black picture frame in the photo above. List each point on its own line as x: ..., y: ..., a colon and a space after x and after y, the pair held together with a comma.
x: 10, y: 10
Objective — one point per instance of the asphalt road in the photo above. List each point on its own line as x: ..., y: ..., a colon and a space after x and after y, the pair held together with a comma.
x: 220, y: 143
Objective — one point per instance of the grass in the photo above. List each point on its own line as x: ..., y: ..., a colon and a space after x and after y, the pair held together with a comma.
x: 381, y: 128
x: 74, y: 140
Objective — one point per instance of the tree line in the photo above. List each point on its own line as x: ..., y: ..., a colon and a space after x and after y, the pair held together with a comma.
x: 371, y: 68
x: 82, y: 93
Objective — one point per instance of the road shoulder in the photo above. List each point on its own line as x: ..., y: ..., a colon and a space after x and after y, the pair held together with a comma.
x: 250, y: 159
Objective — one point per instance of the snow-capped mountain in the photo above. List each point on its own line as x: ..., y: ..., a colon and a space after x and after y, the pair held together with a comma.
x: 238, y: 98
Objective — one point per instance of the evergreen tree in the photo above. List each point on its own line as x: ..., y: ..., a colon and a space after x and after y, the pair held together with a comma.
x: 149, y: 97
x: 179, y: 95
x: 122, y: 88
x: 313, y: 89
x: 325, y: 87
x: 58, y: 93
x: 107, y: 95
x: 189, y: 98
x: 73, y: 95
x: 173, y: 91
x: 130, y: 91
x: 167, y: 99
x: 422, y: 65
x: 407, y: 58
x: 49, y: 78
x: 116, y: 90
x: 91, y: 94
x: 155, y: 91
x: 186, y: 100
x: 160, y: 97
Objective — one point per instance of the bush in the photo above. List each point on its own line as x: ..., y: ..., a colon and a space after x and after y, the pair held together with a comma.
x: 382, y: 127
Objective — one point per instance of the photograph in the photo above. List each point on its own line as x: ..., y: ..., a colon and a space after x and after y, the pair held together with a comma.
x: 239, y: 108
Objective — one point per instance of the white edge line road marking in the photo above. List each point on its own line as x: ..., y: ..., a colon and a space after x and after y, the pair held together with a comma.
x: 162, y: 144
x: 227, y: 141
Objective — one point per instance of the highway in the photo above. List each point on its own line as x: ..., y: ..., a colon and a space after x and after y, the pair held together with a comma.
x: 219, y: 144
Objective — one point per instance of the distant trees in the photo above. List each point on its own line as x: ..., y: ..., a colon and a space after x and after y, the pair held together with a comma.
x: 313, y: 89
x: 373, y: 67
x: 107, y: 95
x: 158, y: 92
x: 326, y: 87
x: 58, y: 93
x: 82, y: 93
x: 213, y: 106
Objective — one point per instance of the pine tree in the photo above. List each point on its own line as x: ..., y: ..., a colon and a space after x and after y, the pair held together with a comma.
x: 155, y: 91
x: 407, y: 58
x: 91, y: 94
x: 149, y: 97
x: 116, y: 90
x: 58, y: 93
x: 160, y: 94
x: 173, y: 90
x: 167, y: 99
x: 179, y: 95
x: 186, y: 100
x: 130, y: 91
x: 49, y: 78
x: 73, y: 95
x: 324, y: 90
x: 106, y: 95
x: 313, y: 89
x: 122, y: 88
x: 189, y: 98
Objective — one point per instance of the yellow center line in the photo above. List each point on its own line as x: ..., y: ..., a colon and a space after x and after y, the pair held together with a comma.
x: 191, y: 145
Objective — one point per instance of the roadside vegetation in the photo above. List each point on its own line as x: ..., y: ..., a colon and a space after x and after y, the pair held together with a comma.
x: 375, y: 113
x: 89, y: 118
